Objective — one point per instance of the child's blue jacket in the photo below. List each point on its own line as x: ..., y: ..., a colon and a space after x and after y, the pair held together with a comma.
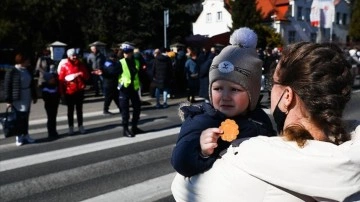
x: 186, y: 158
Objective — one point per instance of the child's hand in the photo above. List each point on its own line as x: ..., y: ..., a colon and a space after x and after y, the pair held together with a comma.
x: 208, y: 140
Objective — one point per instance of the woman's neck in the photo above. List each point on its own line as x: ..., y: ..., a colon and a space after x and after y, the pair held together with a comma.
x: 316, y: 132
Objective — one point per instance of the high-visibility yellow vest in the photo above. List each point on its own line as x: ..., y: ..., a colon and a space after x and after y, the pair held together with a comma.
x: 125, y: 77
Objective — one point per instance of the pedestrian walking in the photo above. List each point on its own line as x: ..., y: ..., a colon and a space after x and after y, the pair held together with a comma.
x: 129, y: 84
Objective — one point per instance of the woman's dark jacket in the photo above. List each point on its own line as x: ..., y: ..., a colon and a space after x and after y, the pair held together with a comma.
x: 12, y: 86
x: 204, y: 76
x: 186, y: 158
x: 162, y: 71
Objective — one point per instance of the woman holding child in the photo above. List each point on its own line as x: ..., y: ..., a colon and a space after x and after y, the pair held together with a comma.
x: 316, y: 156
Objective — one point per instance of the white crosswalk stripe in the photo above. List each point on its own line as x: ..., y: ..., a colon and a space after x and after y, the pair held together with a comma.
x: 83, y: 149
x: 15, y: 186
x: 146, y: 190
x: 76, y: 175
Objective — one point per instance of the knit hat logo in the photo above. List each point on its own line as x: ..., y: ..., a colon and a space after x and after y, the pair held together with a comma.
x: 226, y: 67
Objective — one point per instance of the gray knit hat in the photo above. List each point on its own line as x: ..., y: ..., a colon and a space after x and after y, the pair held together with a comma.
x: 70, y: 52
x: 239, y: 63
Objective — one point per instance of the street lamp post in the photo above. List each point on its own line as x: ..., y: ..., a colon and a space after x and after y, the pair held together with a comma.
x: 166, y: 25
x: 274, y: 18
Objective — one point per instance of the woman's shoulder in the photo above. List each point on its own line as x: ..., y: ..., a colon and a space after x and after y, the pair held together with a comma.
x: 278, y: 146
x: 13, y: 71
x: 352, y: 127
x: 297, y: 163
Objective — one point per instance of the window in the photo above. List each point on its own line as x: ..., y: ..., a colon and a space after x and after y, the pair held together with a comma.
x: 313, y: 37
x: 307, y: 14
x: 299, y: 13
x: 337, y: 20
x: 344, y: 19
x: 291, y: 37
x: 219, y: 16
x: 290, y: 12
x: 208, y: 17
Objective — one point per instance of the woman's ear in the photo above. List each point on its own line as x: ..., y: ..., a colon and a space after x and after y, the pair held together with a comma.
x: 288, y: 96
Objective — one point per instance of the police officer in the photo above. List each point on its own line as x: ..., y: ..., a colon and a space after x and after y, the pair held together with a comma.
x: 129, y: 84
x: 110, y: 73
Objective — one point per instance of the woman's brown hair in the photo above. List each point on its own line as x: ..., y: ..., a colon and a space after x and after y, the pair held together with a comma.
x: 320, y: 75
x: 20, y: 58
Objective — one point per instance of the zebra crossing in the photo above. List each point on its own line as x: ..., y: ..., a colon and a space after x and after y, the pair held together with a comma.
x: 153, y: 192
x: 98, y: 166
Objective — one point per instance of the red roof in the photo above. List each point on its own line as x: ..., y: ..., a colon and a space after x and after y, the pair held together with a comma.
x: 271, y: 7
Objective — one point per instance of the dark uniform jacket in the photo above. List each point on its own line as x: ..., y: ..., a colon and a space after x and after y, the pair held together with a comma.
x: 111, y: 72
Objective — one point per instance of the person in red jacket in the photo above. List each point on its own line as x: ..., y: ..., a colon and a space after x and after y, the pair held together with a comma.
x: 72, y: 77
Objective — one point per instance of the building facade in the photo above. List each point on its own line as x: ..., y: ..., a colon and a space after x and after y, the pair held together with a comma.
x: 214, y: 19
x: 290, y: 18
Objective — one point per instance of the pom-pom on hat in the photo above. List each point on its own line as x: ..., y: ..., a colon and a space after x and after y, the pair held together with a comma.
x: 239, y: 63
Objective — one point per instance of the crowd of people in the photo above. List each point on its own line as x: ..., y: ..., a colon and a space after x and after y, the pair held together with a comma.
x: 120, y: 77
x: 353, y: 56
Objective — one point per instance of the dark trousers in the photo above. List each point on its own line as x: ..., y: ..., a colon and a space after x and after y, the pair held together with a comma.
x: 22, y: 123
x: 97, y: 83
x: 51, y: 104
x: 111, y: 93
x: 72, y: 101
x: 193, y: 88
x: 125, y: 95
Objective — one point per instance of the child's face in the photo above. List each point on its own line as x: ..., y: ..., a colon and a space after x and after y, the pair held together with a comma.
x: 229, y: 98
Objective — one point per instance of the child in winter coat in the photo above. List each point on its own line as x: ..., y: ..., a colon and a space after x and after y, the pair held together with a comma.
x: 234, y: 88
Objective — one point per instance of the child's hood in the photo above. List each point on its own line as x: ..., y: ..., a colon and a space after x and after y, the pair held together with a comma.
x: 187, y: 110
